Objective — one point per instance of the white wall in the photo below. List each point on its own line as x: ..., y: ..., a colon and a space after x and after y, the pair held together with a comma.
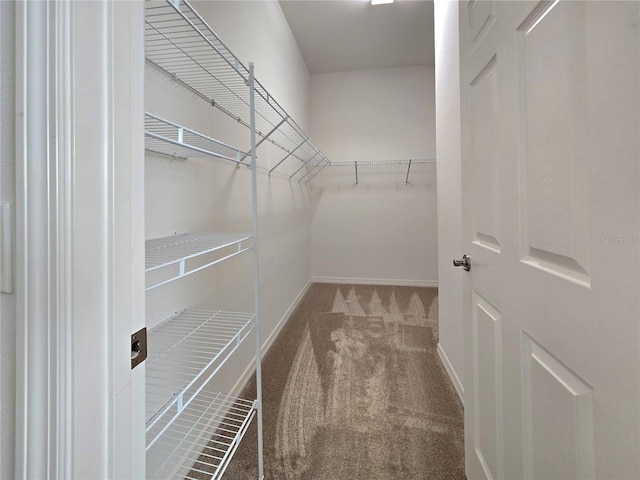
x: 257, y: 31
x: 380, y: 230
x: 7, y: 194
x: 197, y: 195
x: 449, y: 181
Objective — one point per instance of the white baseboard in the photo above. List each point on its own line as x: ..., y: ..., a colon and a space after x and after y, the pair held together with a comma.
x: 452, y: 373
x: 377, y: 281
x: 266, y: 345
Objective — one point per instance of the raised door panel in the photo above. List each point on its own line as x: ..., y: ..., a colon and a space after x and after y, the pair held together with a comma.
x: 487, y: 405
x: 553, y: 207
x: 481, y: 19
x: 558, y: 418
x: 485, y: 167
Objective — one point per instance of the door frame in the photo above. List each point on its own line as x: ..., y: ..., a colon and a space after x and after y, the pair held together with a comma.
x: 80, y: 234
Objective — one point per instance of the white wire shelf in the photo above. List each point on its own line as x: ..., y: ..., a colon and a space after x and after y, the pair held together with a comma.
x: 178, y: 249
x: 384, y: 164
x: 202, y: 441
x: 184, y: 353
x: 375, y: 163
x: 169, y: 138
x: 179, y: 42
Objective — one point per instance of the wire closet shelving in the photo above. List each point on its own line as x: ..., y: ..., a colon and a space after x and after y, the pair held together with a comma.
x: 355, y: 165
x: 191, y: 431
x: 227, y: 418
x: 180, y: 43
x: 169, y: 138
x: 185, y: 351
x: 178, y: 250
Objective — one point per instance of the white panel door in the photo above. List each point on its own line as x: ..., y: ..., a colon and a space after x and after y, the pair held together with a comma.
x: 550, y: 126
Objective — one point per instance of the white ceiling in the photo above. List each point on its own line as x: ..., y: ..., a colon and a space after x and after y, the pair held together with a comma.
x: 340, y: 35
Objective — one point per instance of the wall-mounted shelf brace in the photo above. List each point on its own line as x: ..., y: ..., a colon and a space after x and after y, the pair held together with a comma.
x: 313, y: 161
x: 316, y: 169
x: 306, y: 165
x: 266, y: 137
x: 376, y: 163
x: 288, y: 155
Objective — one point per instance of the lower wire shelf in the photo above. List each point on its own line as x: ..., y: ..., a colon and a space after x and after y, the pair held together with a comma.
x: 185, y: 352
x: 202, y: 440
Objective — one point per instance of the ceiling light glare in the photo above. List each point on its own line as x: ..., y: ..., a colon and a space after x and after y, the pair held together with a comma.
x: 380, y: 2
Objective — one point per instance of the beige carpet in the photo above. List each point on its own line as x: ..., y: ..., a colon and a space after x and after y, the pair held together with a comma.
x: 353, y: 389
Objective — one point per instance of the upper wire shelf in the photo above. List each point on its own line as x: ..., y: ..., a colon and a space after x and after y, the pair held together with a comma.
x: 178, y: 249
x: 202, y: 441
x: 185, y: 352
x: 373, y: 163
x: 383, y: 163
x: 169, y: 138
x: 181, y: 43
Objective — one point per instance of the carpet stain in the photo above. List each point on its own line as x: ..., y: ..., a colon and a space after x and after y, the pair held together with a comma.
x: 354, y: 389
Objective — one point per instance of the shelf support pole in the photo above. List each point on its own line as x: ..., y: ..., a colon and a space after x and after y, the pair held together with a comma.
x: 356, y: 165
x: 266, y: 136
x: 406, y: 180
x: 256, y: 272
x: 288, y: 155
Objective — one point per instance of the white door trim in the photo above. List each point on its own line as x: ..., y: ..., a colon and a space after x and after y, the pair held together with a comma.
x: 39, y: 296
x: 79, y: 235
